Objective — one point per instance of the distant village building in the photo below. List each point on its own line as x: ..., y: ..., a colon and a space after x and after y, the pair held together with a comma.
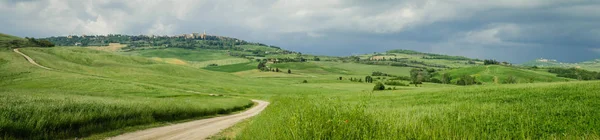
x: 203, y: 36
x: 189, y: 36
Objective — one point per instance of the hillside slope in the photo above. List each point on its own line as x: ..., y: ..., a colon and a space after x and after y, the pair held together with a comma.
x: 409, y: 58
x: 498, y: 74
x: 90, y: 92
x: 592, y: 65
x: 5, y: 40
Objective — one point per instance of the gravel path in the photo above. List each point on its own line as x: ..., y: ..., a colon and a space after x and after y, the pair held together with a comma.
x: 194, y: 130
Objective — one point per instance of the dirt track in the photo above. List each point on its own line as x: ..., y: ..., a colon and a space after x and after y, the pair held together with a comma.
x: 30, y: 60
x: 194, y: 130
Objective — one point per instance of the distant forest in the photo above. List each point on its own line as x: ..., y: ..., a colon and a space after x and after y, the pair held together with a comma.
x: 183, y: 41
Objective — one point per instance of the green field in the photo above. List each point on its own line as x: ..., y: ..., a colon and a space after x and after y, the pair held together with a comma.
x: 91, y: 93
x: 497, y: 74
x: 5, y: 40
x: 592, y: 65
x: 185, y: 54
x: 234, y: 67
x: 101, y: 93
x: 530, y: 111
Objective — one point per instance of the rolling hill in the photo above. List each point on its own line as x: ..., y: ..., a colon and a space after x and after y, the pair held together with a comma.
x: 409, y: 58
x: 98, y: 93
x: 592, y: 65
x: 498, y: 73
x: 5, y: 40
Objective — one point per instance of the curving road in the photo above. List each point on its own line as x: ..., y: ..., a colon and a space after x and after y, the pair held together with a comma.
x: 30, y: 59
x: 194, y: 130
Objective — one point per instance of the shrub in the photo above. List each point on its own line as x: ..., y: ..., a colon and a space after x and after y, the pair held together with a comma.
x: 467, y: 80
x: 304, y: 81
x: 510, y: 80
x: 405, y: 78
x: 446, y: 78
x: 395, y: 83
x: 379, y: 86
x: 435, y: 80
x: 369, y: 79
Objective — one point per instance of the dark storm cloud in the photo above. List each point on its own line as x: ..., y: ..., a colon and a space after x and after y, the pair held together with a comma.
x: 508, y: 30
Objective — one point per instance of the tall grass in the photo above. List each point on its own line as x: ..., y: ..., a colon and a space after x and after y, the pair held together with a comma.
x: 98, y: 94
x: 541, y: 111
x: 93, y: 91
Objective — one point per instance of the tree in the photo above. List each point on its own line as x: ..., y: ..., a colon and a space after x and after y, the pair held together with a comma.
x: 276, y: 69
x: 45, y: 43
x: 379, y: 86
x: 417, y: 76
x: 369, y: 79
x: 304, y: 81
x: 289, y: 71
x: 16, y: 43
x: 466, y: 80
x: 490, y: 62
x: 261, y: 65
x: 446, y: 78
x: 316, y: 58
x: 341, y: 78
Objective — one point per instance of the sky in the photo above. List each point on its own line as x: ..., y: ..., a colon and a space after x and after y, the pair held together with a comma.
x: 507, y: 30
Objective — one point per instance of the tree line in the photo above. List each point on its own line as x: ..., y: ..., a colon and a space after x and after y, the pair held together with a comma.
x: 575, y: 73
x: 28, y: 42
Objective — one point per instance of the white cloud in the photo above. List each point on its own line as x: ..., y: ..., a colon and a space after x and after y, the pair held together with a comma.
x: 491, y: 35
x: 161, y: 29
x: 435, y: 24
x: 289, y: 16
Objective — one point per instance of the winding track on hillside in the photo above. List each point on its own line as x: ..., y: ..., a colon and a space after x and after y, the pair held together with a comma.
x: 30, y: 59
x: 194, y: 130
x: 199, y: 129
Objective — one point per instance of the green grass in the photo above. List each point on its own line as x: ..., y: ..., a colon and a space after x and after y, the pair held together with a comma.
x: 419, y: 58
x: 234, y: 67
x: 92, y: 92
x: 335, y: 68
x: 592, y: 65
x: 260, y: 48
x: 5, y: 39
x: 184, y: 54
x: 488, y: 73
x: 528, y: 111
x: 362, y: 69
x: 221, y: 62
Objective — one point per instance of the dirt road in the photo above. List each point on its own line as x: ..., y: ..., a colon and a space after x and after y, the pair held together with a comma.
x: 30, y: 60
x: 194, y: 130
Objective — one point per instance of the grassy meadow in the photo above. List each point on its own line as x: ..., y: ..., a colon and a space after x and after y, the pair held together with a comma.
x: 91, y: 92
x: 527, y: 111
x: 87, y: 96
x: 496, y: 74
